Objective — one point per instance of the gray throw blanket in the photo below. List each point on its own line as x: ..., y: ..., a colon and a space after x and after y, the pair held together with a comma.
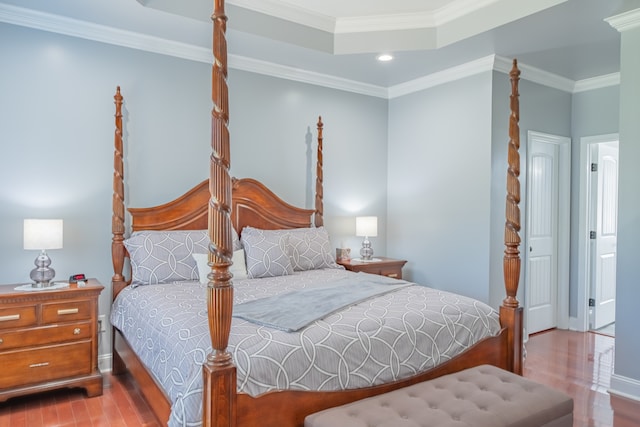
x: 292, y: 311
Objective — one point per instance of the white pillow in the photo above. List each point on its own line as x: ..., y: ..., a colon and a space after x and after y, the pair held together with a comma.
x: 238, y: 269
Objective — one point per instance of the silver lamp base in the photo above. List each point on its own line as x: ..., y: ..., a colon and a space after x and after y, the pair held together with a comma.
x: 366, y: 252
x: 42, y: 274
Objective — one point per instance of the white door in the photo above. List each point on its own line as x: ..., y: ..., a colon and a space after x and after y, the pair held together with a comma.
x: 604, y: 251
x: 547, y: 234
x: 542, y: 267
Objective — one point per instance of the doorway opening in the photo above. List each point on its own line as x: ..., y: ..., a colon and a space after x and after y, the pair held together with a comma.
x: 597, y: 254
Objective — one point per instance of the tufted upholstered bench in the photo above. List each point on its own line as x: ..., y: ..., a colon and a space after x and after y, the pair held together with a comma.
x: 484, y: 396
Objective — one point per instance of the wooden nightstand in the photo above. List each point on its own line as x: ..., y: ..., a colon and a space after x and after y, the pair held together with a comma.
x: 49, y: 339
x: 385, y: 267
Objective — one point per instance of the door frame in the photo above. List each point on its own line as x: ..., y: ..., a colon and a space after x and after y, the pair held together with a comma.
x: 581, y: 322
x: 564, y: 222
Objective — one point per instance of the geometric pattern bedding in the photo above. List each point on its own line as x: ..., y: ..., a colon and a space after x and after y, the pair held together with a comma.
x: 382, y: 339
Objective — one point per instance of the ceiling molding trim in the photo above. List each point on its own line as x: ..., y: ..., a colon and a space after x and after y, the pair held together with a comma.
x: 444, y: 76
x: 364, y: 24
x: 458, y: 9
x: 599, y: 82
x: 625, y: 21
x: 536, y: 75
x: 101, y: 33
x: 397, y: 22
x: 289, y: 13
x: 488, y: 63
x: 290, y: 73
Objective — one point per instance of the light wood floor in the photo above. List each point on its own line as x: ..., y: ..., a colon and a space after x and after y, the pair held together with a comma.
x: 579, y: 364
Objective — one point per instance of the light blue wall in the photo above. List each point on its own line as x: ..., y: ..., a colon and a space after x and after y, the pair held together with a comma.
x: 271, y: 121
x: 439, y: 185
x: 57, y: 116
x: 628, y: 271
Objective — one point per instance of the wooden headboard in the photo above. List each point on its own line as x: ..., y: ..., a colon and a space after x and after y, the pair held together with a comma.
x: 252, y: 204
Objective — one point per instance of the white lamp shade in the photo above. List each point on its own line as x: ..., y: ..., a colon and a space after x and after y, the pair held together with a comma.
x: 367, y: 226
x: 42, y: 234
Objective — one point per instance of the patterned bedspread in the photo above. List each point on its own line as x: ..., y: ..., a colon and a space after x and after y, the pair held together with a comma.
x: 382, y: 339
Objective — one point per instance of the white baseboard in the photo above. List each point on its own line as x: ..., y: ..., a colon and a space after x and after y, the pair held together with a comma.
x: 104, y: 362
x: 625, y: 387
x: 574, y: 325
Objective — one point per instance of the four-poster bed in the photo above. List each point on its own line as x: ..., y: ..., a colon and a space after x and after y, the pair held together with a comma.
x: 221, y: 205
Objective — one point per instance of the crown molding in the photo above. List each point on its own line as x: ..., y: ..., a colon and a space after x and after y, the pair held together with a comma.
x: 458, y: 9
x: 444, y: 76
x: 378, y: 23
x: 90, y: 31
x: 288, y: 12
x: 625, y: 21
x: 536, y: 75
x: 372, y: 23
x: 102, y: 33
x: 488, y: 63
x: 599, y: 82
x: 304, y: 76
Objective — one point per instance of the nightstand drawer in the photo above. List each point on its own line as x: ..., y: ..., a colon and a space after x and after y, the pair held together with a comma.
x: 44, y: 364
x: 394, y: 272
x: 66, y: 311
x: 15, y: 317
x: 44, y: 335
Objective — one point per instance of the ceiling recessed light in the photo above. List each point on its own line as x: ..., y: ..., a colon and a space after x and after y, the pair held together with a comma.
x: 384, y: 57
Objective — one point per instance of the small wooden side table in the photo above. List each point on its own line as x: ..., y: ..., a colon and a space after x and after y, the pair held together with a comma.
x: 49, y: 339
x: 383, y: 266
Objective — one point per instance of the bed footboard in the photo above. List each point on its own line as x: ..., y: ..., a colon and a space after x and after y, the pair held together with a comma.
x: 289, y: 408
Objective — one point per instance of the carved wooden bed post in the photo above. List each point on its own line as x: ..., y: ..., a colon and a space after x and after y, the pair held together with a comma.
x: 117, y: 218
x: 510, y: 312
x: 318, y: 217
x: 118, y: 280
x: 219, y: 372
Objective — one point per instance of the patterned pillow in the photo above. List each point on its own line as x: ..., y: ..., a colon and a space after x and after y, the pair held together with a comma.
x: 310, y: 249
x: 238, y: 268
x: 266, y: 253
x: 165, y: 256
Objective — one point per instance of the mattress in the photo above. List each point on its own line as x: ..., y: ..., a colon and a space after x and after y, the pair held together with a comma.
x: 378, y: 340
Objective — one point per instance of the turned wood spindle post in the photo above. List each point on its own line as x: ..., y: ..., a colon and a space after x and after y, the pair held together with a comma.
x: 219, y: 373
x: 319, y: 215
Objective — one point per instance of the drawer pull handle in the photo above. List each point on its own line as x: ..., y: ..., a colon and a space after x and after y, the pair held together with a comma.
x: 9, y: 317
x: 38, y: 365
x: 1, y: 341
x: 392, y: 275
x: 76, y: 331
x: 68, y: 311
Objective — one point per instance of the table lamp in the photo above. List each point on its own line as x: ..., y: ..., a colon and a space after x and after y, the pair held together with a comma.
x: 42, y: 234
x: 366, y: 226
